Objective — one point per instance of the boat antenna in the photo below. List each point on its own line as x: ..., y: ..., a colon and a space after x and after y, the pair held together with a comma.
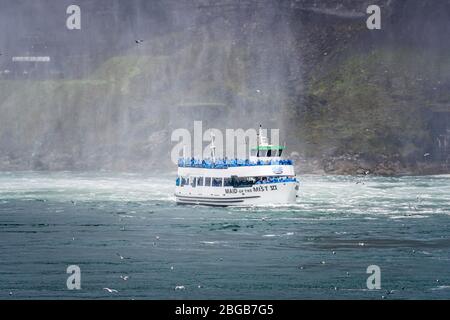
x: 213, y: 147
x: 262, y: 139
x: 257, y: 141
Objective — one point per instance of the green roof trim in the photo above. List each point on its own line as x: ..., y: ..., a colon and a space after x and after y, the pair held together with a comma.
x: 269, y: 148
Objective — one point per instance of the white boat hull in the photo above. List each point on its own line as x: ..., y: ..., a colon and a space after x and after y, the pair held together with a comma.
x: 260, y: 194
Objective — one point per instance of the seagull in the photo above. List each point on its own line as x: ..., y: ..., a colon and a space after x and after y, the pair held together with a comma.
x: 110, y: 290
x: 138, y: 41
x: 10, y: 293
x: 323, y: 262
x: 124, y: 278
x: 180, y: 288
x: 171, y: 267
x: 426, y: 155
x: 334, y: 252
x: 120, y: 256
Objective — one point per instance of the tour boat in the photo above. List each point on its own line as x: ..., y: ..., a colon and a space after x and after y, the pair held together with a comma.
x: 263, y: 179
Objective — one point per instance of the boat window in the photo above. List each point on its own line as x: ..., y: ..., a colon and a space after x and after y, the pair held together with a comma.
x: 200, y: 181
x: 280, y: 152
x: 183, y: 181
x: 217, y: 182
x: 192, y: 182
x: 227, y: 182
x: 244, y: 182
x: 208, y: 182
x: 269, y: 153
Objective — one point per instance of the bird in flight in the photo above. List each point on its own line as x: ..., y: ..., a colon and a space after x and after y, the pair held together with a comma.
x: 120, y: 256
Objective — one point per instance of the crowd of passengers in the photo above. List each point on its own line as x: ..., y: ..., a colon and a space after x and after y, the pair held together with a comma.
x: 226, y: 163
x: 231, y: 182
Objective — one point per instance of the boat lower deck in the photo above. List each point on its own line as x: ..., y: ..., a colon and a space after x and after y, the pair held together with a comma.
x: 230, y: 196
x: 213, y: 201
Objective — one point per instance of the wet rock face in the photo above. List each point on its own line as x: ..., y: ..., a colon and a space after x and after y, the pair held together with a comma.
x: 341, y: 94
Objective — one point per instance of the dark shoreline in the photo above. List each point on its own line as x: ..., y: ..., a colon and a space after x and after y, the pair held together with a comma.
x: 359, y: 167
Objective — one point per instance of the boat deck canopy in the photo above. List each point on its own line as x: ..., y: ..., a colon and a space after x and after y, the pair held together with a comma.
x: 268, y: 148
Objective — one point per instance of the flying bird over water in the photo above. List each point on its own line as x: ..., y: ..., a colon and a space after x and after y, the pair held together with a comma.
x: 138, y: 41
x: 111, y: 290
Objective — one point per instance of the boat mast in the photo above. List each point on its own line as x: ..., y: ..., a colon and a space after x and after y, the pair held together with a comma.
x: 262, y: 140
x: 257, y: 141
x: 212, y: 146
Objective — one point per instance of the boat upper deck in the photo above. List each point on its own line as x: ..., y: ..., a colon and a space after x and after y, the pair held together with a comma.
x: 230, y: 163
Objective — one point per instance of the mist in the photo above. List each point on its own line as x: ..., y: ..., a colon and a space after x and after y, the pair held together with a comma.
x: 114, y: 91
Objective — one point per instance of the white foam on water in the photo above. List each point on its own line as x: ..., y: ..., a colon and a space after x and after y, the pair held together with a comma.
x: 320, y: 197
x: 441, y: 288
x: 412, y: 216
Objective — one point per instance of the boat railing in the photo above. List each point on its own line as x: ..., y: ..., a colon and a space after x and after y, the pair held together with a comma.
x: 229, y: 163
x: 272, y: 180
x: 268, y: 180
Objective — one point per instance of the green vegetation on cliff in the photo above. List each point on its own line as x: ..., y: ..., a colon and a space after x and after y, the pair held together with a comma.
x: 376, y: 103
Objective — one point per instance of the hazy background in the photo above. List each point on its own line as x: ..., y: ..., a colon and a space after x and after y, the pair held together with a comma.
x: 345, y: 98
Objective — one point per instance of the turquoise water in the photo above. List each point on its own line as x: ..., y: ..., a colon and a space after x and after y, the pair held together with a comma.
x: 318, y: 248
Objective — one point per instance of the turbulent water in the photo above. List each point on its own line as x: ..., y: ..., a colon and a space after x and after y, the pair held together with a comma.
x: 117, y: 225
